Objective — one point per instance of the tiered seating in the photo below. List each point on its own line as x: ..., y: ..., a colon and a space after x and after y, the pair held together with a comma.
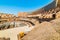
x: 46, y: 30
x: 5, y: 26
x: 43, y: 16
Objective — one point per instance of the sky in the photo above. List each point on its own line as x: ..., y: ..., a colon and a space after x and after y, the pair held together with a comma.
x: 15, y: 6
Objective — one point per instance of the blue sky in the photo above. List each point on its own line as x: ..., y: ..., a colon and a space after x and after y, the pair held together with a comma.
x: 15, y: 6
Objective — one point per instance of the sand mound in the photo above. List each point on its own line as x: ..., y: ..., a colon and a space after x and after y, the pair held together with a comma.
x: 44, y: 31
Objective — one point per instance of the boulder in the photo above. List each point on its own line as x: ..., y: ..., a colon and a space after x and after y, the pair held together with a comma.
x: 56, y: 24
x: 44, y: 31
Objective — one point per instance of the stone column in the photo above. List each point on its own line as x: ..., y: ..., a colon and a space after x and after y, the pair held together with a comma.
x: 56, y: 2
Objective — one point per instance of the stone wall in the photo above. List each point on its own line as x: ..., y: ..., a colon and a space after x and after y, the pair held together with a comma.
x: 50, y: 6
